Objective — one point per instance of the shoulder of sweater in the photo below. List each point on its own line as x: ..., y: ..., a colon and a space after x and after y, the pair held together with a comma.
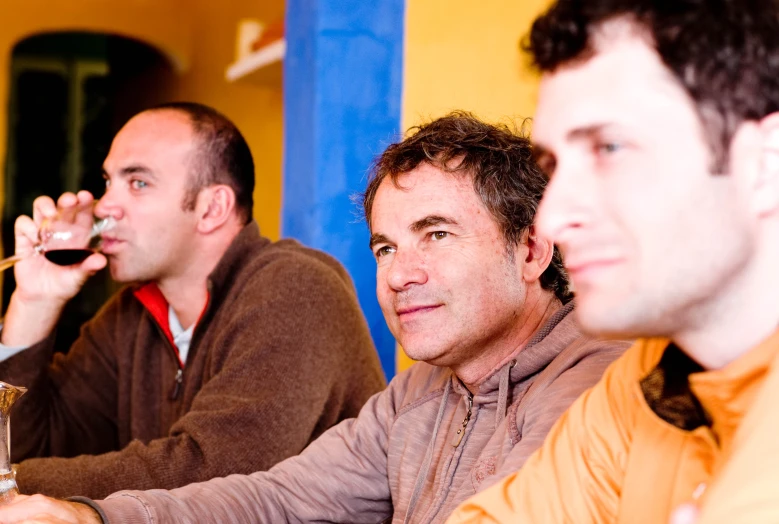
x: 589, y: 346
x: 417, y: 385
x: 635, y: 362
x: 288, y: 256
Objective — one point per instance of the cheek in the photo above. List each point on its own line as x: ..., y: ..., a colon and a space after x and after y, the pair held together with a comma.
x: 383, y: 292
x: 489, y: 286
x: 648, y: 198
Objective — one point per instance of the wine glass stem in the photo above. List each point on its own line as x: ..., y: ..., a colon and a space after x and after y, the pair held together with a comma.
x: 10, y: 261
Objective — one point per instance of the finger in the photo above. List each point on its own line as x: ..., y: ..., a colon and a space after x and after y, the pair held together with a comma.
x: 85, y: 198
x: 41, y: 519
x: 17, y: 499
x: 35, y: 508
x: 67, y: 200
x: 43, y: 207
x: 68, y: 207
x: 26, y: 511
x: 25, y: 231
x: 94, y: 263
x: 86, y: 208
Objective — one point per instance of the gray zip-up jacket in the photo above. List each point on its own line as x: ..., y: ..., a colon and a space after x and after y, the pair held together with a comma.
x: 415, y: 451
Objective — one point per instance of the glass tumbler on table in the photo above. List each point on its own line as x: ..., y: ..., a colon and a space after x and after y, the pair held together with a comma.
x: 8, y: 396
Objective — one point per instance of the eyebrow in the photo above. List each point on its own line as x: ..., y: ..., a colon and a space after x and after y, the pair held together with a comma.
x: 415, y: 227
x: 586, y: 132
x: 131, y: 170
x: 541, y: 154
x: 378, y: 238
x: 430, y: 221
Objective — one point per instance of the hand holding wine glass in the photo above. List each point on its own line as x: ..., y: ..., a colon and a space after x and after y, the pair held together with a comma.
x: 43, y: 287
x: 65, y: 239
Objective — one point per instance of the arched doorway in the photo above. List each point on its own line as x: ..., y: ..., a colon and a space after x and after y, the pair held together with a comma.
x: 69, y: 94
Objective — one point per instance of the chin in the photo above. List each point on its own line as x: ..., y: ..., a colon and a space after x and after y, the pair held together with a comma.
x: 122, y: 278
x: 619, y: 319
x: 421, y: 353
x: 124, y: 275
x: 601, y: 317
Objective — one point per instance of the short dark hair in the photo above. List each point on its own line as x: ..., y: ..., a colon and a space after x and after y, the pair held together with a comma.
x: 725, y: 53
x: 223, y: 156
x: 500, y: 162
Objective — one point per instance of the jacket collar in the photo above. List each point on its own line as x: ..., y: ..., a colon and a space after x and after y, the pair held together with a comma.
x: 555, y: 335
x: 681, y: 393
x: 242, y: 248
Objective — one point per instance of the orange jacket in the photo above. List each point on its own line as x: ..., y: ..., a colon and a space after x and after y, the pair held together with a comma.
x: 611, y: 458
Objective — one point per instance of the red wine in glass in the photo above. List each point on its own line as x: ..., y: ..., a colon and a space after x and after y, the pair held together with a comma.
x: 66, y: 241
x: 67, y: 257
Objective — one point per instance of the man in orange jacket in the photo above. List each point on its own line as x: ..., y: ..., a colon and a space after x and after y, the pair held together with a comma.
x: 658, y: 123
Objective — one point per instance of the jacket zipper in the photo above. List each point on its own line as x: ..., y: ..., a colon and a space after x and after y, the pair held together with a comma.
x: 461, y: 432
x: 178, y: 380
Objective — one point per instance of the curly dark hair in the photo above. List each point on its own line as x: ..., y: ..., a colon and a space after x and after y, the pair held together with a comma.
x: 725, y: 53
x: 500, y: 161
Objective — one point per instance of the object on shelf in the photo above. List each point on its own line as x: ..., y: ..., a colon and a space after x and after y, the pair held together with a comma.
x: 259, y: 51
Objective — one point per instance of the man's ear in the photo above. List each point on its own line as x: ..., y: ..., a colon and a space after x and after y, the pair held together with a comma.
x: 215, y: 206
x: 765, y: 186
x: 538, y: 257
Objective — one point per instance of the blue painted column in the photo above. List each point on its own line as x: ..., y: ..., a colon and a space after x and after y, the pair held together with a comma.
x: 342, y: 103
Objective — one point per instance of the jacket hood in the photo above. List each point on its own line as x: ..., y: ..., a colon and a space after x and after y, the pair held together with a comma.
x: 555, y: 335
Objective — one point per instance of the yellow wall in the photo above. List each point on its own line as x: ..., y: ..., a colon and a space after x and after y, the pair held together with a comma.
x: 198, y: 36
x: 462, y: 54
x: 257, y: 110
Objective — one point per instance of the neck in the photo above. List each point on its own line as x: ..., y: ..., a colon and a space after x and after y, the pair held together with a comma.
x: 187, y: 290
x: 187, y: 302
x: 536, y: 311
x: 743, y: 314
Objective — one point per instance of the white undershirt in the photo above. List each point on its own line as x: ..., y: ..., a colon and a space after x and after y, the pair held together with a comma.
x: 181, y: 337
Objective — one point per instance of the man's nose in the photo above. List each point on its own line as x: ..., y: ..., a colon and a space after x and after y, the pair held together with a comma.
x: 108, y: 205
x: 406, y: 269
x: 564, y: 207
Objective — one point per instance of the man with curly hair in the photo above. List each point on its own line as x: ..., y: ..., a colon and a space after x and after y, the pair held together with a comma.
x: 658, y: 123
x: 468, y: 287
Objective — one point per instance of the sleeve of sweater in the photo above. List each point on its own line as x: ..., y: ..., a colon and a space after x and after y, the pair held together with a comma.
x: 283, y: 369
x: 70, y: 404
x: 341, y: 477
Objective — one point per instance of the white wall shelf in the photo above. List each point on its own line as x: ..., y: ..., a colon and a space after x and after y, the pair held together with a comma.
x: 269, y: 55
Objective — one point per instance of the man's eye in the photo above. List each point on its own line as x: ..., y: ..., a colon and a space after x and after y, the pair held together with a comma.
x: 384, y: 250
x: 107, y: 182
x: 138, y: 184
x: 439, y: 235
x: 608, y: 148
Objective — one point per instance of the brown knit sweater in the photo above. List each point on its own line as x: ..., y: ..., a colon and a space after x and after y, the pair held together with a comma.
x: 280, y: 354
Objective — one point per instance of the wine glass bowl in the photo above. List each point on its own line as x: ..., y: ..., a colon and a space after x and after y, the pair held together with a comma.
x: 67, y: 238
x: 67, y: 242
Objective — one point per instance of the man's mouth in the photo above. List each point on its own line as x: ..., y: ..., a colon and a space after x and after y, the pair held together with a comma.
x: 408, y: 312
x: 109, y: 246
x: 585, y: 269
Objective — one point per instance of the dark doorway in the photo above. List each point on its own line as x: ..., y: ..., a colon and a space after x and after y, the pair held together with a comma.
x: 69, y: 95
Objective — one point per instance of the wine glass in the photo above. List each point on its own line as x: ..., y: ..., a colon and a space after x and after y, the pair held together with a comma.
x: 67, y: 238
